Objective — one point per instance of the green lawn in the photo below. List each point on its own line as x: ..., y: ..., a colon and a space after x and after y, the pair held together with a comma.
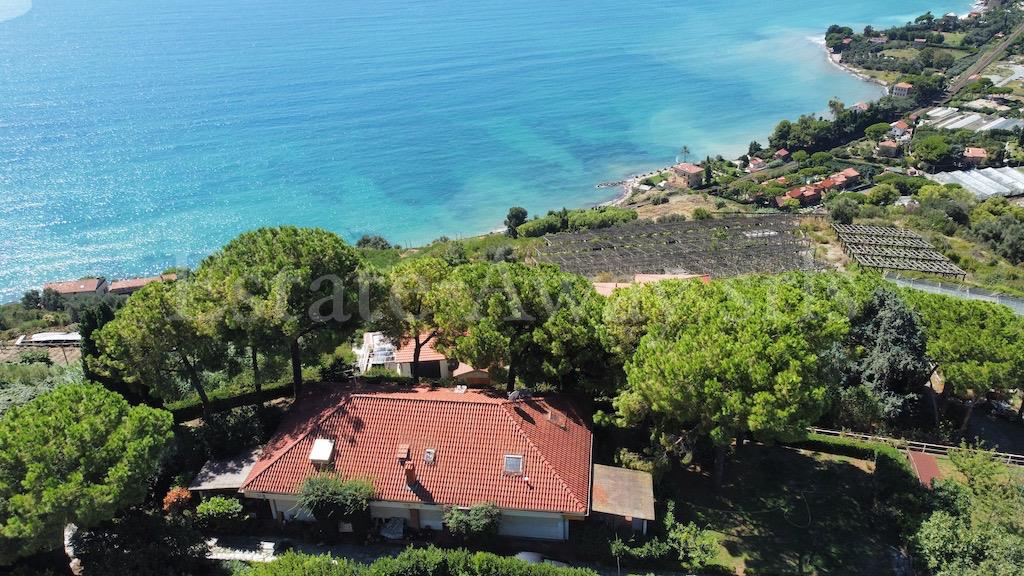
x: 784, y: 511
x: 953, y: 39
x: 902, y: 53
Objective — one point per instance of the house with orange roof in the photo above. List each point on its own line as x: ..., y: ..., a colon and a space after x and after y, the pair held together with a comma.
x: 691, y: 173
x: 902, y: 89
x: 975, y: 156
x: 888, y: 149
x: 83, y: 287
x: 428, y: 449
x: 130, y: 285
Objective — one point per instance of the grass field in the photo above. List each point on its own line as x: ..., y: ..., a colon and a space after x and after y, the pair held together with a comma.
x: 785, y: 511
x: 953, y: 39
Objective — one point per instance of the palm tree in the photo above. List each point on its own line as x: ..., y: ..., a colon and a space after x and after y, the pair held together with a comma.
x: 684, y: 152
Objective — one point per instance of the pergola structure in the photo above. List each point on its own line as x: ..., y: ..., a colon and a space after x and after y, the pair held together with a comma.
x: 890, y: 248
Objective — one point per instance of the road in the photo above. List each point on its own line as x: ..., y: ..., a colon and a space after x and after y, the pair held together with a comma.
x: 958, y: 291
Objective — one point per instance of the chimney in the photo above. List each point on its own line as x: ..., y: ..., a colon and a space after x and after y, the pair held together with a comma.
x: 410, y: 475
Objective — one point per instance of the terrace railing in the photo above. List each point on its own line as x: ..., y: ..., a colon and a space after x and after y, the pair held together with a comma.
x: 914, y: 445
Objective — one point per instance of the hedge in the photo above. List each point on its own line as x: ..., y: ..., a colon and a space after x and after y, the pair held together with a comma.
x: 412, y: 562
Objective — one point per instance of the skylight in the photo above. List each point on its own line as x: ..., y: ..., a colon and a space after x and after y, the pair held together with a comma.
x: 513, y: 464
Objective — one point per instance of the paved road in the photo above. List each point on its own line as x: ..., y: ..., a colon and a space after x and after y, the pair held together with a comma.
x: 958, y: 291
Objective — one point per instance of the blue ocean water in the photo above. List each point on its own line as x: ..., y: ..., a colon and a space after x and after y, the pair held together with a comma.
x: 140, y: 134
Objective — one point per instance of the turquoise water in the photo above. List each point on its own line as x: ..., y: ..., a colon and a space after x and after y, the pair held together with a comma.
x: 140, y: 134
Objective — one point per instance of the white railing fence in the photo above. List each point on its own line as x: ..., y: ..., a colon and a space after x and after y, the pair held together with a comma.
x: 914, y: 445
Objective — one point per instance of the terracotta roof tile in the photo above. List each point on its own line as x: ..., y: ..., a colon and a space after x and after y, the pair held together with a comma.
x: 470, y: 432
x: 427, y: 354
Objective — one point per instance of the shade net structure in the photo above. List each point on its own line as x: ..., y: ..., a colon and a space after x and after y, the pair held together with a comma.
x: 890, y: 248
x: 718, y: 247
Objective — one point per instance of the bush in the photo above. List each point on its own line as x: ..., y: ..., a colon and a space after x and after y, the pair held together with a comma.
x: 176, y: 500
x: 220, y: 514
x: 479, y: 521
x: 331, y: 500
x: 293, y: 564
x: 141, y: 544
x: 34, y: 357
x: 228, y: 433
x: 503, y: 253
x: 701, y: 214
x: 374, y: 242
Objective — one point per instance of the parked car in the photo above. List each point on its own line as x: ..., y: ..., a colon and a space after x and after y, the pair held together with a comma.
x: 1003, y: 409
x: 537, y: 558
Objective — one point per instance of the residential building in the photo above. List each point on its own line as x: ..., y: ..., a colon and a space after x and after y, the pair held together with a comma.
x: 130, y: 285
x: 975, y: 156
x: 83, y: 287
x: 888, y: 149
x: 900, y: 128
x: 428, y: 449
x: 691, y: 173
x: 432, y: 364
x: 782, y: 154
x: 846, y: 178
x: 902, y: 89
x: 756, y: 164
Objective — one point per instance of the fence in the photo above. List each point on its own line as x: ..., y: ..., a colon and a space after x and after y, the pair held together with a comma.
x: 914, y: 446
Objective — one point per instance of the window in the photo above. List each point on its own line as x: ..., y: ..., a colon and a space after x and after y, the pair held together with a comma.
x: 513, y: 464
x: 428, y: 455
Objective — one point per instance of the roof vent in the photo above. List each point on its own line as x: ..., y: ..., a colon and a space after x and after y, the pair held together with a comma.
x: 322, y: 451
x: 428, y: 455
x: 461, y: 389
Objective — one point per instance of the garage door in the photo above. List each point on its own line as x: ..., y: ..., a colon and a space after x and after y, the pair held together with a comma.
x: 532, y: 527
x: 433, y: 519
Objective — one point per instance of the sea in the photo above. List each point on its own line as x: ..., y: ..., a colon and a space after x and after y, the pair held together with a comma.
x: 136, y: 135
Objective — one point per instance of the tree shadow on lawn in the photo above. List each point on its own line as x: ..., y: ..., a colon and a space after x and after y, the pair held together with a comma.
x: 786, y: 512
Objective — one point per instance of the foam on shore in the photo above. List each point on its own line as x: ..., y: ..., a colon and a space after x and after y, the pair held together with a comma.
x: 11, y: 9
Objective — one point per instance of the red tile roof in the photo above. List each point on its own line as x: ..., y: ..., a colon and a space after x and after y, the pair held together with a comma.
x: 75, y: 286
x: 132, y: 284
x: 689, y: 168
x: 471, y: 433
x: 427, y: 353
x: 975, y: 153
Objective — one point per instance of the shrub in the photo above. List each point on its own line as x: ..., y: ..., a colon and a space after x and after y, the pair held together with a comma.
x: 176, y: 500
x: 503, y: 253
x: 220, y: 514
x: 34, y: 357
x: 228, y: 433
x: 478, y: 521
x: 141, y: 544
x: 374, y: 242
x: 294, y: 564
x: 658, y: 199
x: 701, y: 214
x: 330, y: 500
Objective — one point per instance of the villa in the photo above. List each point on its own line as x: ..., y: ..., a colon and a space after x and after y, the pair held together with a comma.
x: 975, y: 156
x: 691, y: 173
x: 888, y: 149
x: 902, y: 89
x: 756, y: 164
x: 83, y: 287
x: 425, y: 450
